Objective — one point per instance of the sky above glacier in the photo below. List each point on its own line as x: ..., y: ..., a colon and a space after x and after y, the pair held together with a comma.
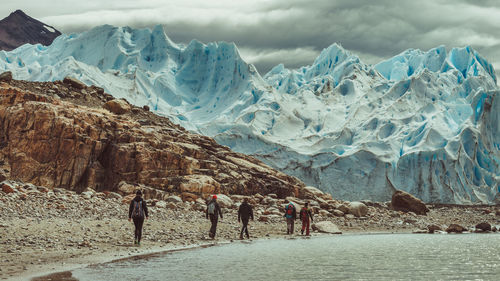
x: 292, y: 32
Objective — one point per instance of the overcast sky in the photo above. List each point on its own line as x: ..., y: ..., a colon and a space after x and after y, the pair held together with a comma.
x: 292, y: 32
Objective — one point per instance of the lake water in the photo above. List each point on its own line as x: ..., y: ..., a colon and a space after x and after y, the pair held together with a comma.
x: 342, y: 257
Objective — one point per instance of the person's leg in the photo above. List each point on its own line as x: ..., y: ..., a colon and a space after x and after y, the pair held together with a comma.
x: 287, y: 226
x: 212, y: 227
x: 139, y: 231
x: 136, y: 230
x: 245, y: 226
x: 303, y: 226
x: 308, y: 223
x: 292, y: 224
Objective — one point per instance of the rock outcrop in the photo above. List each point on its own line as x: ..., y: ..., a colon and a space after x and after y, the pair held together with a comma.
x: 404, y: 201
x: 456, y: 228
x: 326, y: 227
x: 58, y: 135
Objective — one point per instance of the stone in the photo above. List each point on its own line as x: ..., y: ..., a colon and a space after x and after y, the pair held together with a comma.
x: 343, y: 208
x: 326, y: 227
x: 189, y: 197
x: 6, y: 77
x: 3, y: 176
x: 87, y: 194
x: 75, y: 83
x: 497, y: 212
x: 349, y: 216
x: 117, y: 106
x: 199, y: 184
x: 145, y: 107
x: 455, y: 228
x: 311, y: 192
x: 324, y: 213
x: 338, y: 213
x: 7, y: 188
x: 173, y: 199
x: 127, y: 199
x: 358, y: 209
x: 171, y: 205
x: 113, y: 195
x: 127, y: 188
x: 433, y: 228
x: 483, y: 226
x: 264, y: 218
x: 494, y: 229
x: 420, y: 231
x: 404, y: 201
x: 161, y: 204
x: 224, y: 201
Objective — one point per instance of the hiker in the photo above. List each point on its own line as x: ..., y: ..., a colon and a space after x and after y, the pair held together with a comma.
x: 291, y: 216
x: 245, y: 212
x: 213, y: 210
x: 136, y: 212
x: 305, y: 215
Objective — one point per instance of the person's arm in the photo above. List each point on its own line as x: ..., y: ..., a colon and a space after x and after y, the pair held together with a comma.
x: 145, y: 207
x: 220, y: 211
x: 206, y: 211
x: 239, y: 213
x: 130, y: 208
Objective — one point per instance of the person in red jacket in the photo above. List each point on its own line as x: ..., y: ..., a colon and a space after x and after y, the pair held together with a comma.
x: 305, y: 215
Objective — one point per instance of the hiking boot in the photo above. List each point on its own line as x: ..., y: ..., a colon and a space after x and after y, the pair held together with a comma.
x: 138, y: 243
x: 135, y: 241
x: 241, y: 236
x: 302, y: 232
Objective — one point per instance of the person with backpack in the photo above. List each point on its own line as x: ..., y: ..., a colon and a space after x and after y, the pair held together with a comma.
x: 214, y: 211
x: 245, y: 212
x: 305, y: 214
x: 291, y: 216
x: 137, y: 211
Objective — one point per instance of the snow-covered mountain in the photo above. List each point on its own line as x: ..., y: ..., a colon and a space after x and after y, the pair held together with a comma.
x: 424, y: 122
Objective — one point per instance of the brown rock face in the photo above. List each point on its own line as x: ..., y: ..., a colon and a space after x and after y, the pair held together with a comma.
x: 403, y: 201
x: 117, y: 106
x: 455, y: 228
x: 18, y: 29
x: 74, y: 143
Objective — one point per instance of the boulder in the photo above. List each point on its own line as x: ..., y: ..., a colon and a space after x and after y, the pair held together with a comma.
x: 189, y: 197
x: 128, y: 198
x: 404, y: 201
x: 173, y: 199
x: 3, y: 176
x: 494, y: 229
x: 264, y: 218
x: 343, y: 208
x: 224, y: 201
x: 338, y: 213
x: 161, y: 204
x: 455, y: 228
x: 145, y: 107
x: 117, y: 106
x: 358, y: 209
x: 199, y: 184
x: 484, y: 226
x: 113, y: 195
x: 324, y: 213
x: 8, y: 188
x: 311, y: 192
x: 433, y: 228
x: 75, y: 83
x: 6, y: 77
x: 497, y: 212
x: 326, y: 227
x: 87, y: 194
x: 171, y: 205
x: 127, y: 188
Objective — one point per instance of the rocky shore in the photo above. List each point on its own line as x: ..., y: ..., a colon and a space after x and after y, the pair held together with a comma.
x: 45, y: 230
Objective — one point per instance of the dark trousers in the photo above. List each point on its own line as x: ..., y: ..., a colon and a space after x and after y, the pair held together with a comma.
x: 213, y: 219
x: 138, y: 222
x: 289, y: 225
x: 244, y: 227
x: 305, y: 225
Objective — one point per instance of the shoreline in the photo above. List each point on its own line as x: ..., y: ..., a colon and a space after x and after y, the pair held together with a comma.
x: 48, y: 231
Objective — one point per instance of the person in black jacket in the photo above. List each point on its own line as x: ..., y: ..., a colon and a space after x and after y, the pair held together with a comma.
x: 213, y: 210
x: 137, y: 212
x: 245, y: 212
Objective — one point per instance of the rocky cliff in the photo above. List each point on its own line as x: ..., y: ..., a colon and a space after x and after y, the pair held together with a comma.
x: 18, y: 29
x: 64, y: 134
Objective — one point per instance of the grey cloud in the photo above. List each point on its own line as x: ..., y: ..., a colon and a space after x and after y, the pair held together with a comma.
x: 372, y: 29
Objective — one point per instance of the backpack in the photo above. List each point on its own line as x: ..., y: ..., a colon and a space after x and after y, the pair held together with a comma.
x: 289, y: 209
x: 211, y: 208
x: 137, y: 210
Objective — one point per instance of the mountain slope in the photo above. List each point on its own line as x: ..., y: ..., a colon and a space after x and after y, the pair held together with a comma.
x: 18, y: 29
x: 423, y: 122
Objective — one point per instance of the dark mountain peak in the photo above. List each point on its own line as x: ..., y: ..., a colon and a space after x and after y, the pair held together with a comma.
x: 18, y: 29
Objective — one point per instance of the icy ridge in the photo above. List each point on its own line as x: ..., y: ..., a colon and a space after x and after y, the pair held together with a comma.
x: 424, y: 122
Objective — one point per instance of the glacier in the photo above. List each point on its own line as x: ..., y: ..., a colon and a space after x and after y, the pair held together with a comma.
x: 426, y: 122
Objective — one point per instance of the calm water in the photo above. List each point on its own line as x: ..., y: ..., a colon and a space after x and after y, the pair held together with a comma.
x: 343, y: 257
